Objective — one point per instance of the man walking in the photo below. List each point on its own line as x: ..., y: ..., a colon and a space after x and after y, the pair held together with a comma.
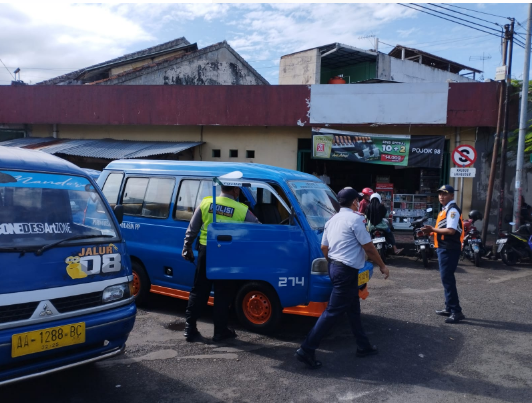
x: 227, y: 210
x: 345, y: 239
x: 448, y: 238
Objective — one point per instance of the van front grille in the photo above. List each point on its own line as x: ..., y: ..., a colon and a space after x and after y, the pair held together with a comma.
x: 12, y: 313
x: 77, y: 302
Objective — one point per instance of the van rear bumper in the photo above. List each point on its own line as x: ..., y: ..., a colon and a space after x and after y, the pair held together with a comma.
x: 105, y: 336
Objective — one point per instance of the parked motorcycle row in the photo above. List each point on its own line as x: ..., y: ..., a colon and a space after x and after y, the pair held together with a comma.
x: 511, y: 247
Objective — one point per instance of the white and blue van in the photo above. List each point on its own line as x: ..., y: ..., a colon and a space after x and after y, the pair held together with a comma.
x: 66, y: 292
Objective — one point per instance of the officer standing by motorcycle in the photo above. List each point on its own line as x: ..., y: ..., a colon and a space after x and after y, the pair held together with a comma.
x: 227, y: 210
x: 448, y: 238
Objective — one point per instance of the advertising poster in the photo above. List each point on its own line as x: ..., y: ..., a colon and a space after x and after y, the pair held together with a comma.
x: 385, y: 149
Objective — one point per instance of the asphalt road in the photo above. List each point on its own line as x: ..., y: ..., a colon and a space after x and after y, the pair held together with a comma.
x: 486, y: 358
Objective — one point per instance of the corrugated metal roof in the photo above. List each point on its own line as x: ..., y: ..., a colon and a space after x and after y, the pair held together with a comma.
x: 106, y: 148
x: 26, y: 141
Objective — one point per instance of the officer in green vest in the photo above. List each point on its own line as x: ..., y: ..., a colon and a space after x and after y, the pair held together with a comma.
x: 228, y: 209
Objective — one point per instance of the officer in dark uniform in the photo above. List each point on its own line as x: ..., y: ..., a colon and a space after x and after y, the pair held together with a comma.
x: 448, y: 238
x: 227, y: 210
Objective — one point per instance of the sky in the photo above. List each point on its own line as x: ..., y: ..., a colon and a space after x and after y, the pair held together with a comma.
x: 47, y: 39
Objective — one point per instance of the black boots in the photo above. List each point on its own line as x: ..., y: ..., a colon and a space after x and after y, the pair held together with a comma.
x: 191, y: 332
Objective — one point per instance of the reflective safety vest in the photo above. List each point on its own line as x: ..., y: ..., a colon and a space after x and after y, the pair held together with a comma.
x: 227, y: 210
x: 449, y: 241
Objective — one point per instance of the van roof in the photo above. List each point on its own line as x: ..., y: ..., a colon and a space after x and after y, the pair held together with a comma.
x: 32, y: 160
x: 205, y: 168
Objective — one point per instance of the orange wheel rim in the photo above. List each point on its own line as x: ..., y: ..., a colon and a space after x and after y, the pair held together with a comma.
x: 257, y: 307
x: 136, y: 284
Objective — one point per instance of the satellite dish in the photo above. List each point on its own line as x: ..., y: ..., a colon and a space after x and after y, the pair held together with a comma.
x: 232, y: 175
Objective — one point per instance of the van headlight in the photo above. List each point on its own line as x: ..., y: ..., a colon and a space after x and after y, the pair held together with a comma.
x: 115, y: 293
x: 320, y: 266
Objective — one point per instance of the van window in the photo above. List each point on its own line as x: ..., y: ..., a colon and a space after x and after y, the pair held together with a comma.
x: 134, y: 195
x: 191, y: 193
x: 111, y: 188
x: 186, y: 199
x: 39, y: 208
x: 158, y: 196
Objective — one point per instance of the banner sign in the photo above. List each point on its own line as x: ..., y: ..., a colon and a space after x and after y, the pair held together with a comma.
x: 386, y: 149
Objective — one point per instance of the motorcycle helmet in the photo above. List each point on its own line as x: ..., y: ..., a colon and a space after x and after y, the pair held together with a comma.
x: 475, y: 215
x: 367, y: 191
x: 376, y: 196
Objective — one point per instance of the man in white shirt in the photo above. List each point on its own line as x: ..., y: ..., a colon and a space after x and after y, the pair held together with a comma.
x: 344, y: 244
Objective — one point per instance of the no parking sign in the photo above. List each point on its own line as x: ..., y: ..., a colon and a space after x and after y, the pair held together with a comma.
x: 464, y: 156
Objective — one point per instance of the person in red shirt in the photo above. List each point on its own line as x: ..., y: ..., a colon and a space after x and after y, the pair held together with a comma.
x: 364, y: 204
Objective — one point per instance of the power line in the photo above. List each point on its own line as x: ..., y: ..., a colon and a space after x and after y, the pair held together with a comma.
x: 476, y: 11
x: 458, y: 12
x: 458, y: 18
x: 435, y: 15
x: 8, y: 70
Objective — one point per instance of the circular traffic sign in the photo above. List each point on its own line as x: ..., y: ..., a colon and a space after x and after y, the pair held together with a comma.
x: 464, y: 156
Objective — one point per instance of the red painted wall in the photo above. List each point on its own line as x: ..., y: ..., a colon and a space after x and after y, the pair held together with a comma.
x: 155, y: 105
x: 470, y: 104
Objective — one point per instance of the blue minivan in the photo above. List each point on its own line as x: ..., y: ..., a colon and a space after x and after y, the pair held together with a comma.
x: 278, y: 265
x: 66, y: 295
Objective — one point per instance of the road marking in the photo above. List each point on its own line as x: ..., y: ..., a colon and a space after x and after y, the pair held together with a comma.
x: 511, y: 277
x: 418, y: 291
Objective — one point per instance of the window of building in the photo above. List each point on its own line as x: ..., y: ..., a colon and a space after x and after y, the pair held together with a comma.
x: 111, y: 188
x: 233, y: 153
x: 216, y: 153
x: 250, y: 153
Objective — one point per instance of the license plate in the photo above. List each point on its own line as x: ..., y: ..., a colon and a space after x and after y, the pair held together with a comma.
x: 47, y: 339
x: 363, y: 277
x: 422, y: 247
x: 379, y: 240
x: 422, y: 242
x: 502, y: 240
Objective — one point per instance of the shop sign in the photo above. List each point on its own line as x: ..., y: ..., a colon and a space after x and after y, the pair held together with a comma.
x: 385, y: 149
x: 463, y: 172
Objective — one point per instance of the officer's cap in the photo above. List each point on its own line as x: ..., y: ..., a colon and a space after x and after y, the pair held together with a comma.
x: 347, y: 195
x: 446, y: 189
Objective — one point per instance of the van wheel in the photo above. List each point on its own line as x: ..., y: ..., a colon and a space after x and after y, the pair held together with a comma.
x: 258, y: 307
x: 141, y: 283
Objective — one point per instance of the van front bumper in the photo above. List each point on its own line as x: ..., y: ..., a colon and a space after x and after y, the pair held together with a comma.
x: 106, y: 333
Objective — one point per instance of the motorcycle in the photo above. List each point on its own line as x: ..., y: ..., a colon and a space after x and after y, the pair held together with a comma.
x: 424, y: 244
x: 380, y: 243
x: 472, y: 244
x: 379, y: 239
x: 515, y: 246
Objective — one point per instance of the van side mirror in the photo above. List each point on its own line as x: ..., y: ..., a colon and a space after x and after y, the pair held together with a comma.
x: 119, y: 213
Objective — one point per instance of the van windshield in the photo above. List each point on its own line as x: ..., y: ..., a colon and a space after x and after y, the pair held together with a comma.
x: 317, y: 201
x: 37, y: 209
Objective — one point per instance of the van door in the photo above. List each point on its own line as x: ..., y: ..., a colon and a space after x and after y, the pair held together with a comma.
x: 275, y: 253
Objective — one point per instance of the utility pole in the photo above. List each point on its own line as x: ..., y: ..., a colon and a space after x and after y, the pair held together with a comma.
x: 504, y: 142
x: 495, y: 153
x: 522, y: 126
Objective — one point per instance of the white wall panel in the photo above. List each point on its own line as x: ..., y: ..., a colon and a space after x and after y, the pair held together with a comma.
x: 409, y: 103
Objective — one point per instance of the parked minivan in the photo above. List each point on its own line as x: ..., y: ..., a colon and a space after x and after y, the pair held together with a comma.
x: 279, y: 266
x: 66, y: 292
